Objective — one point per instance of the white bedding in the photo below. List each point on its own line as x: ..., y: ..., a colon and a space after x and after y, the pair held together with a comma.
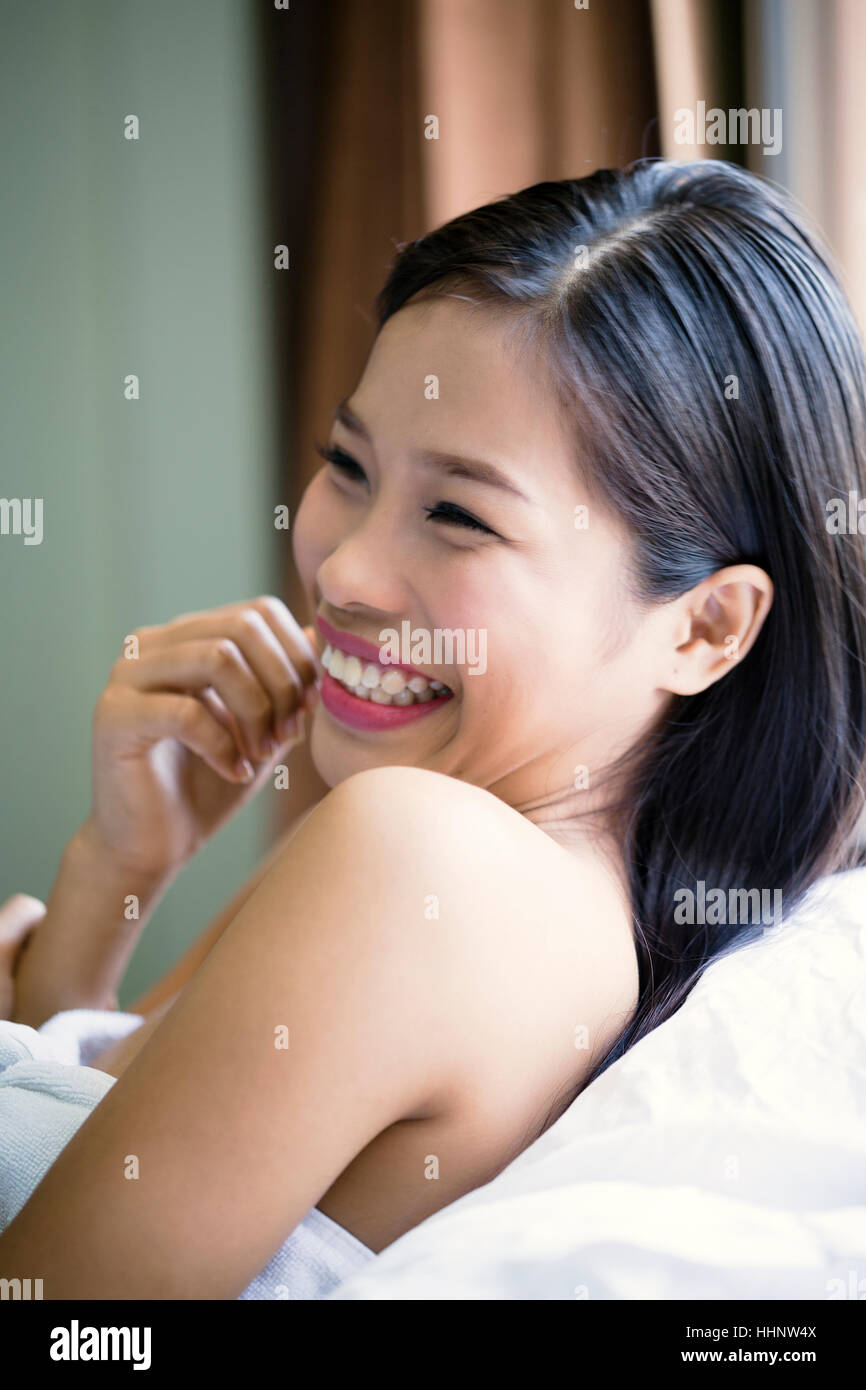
x: 724, y: 1156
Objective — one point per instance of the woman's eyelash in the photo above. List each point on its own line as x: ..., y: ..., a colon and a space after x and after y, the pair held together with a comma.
x: 446, y: 511
x: 443, y: 511
x: 338, y: 458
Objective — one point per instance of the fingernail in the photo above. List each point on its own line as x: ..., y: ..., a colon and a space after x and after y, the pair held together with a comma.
x: 246, y: 771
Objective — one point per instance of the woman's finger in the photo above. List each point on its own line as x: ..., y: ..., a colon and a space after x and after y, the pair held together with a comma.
x: 191, y: 667
x: 272, y: 661
x: 294, y: 725
x: 155, y: 715
x: 283, y: 655
x: 300, y: 644
x: 18, y: 916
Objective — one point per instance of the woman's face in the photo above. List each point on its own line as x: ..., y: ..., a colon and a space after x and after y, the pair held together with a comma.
x: 570, y: 661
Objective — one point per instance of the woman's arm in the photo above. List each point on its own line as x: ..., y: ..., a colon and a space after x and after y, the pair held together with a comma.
x: 327, y: 1011
x: 93, y: 942
x: 95, y: 915
x: 168, y: 986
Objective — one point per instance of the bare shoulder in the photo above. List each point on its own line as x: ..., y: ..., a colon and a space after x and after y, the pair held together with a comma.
x: 520, y: 920
x: 423, y: 827
x: 466, y: 829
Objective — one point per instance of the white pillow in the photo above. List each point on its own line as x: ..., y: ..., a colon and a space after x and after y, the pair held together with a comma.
x: 724, y: 1156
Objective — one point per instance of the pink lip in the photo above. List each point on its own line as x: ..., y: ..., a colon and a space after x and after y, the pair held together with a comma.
x: 356, y: 646
x: 366, y: 714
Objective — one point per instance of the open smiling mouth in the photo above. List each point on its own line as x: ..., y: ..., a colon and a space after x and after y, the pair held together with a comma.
x: 366, y: 695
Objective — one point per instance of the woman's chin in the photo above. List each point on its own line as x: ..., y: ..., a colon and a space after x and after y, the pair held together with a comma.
x: 337, y: 751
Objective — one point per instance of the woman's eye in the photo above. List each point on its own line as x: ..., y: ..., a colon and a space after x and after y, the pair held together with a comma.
x: 341, y: 460
x: 445, y: 512
x: 455, y: 516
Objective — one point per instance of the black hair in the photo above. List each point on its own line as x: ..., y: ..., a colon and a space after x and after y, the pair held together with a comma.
x: 699, y: 329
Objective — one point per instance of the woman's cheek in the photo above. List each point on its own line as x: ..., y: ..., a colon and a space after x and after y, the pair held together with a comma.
x: 310, y: 533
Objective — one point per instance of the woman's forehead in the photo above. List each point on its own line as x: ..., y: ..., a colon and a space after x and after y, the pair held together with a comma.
x: 445, y: 367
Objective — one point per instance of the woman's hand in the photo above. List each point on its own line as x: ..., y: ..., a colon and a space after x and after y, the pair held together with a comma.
x: 194, y: 717
x: 19, y: 916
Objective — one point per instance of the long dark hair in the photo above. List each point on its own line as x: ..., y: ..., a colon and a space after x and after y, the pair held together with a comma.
x: 717, y: 377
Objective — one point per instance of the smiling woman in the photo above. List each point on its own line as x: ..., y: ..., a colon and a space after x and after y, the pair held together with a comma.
x: 483, y: 911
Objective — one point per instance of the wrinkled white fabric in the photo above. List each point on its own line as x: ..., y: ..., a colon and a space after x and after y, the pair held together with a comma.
x: 724, y: 1156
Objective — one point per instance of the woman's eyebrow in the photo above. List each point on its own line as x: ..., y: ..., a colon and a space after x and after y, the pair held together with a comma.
x: 476, y: 470
x: 455, y: 465
x: 345, y: 416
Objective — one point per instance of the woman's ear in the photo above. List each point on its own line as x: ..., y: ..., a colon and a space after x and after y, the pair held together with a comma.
x: 716, y: 624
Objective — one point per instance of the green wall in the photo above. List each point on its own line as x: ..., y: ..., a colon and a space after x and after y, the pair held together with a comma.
x: 119, y: 257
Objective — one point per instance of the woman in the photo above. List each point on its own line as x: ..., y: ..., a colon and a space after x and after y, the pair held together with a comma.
x: 600, y: 425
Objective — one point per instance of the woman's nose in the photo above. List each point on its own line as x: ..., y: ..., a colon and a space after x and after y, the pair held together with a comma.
x: 367, y: 568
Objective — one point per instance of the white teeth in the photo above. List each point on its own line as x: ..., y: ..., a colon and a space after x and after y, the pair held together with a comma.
x: 383, y: 686
x: 335, y: 669
x: 351, y: 670
x: 393, y: 682
x: 370, y: 678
